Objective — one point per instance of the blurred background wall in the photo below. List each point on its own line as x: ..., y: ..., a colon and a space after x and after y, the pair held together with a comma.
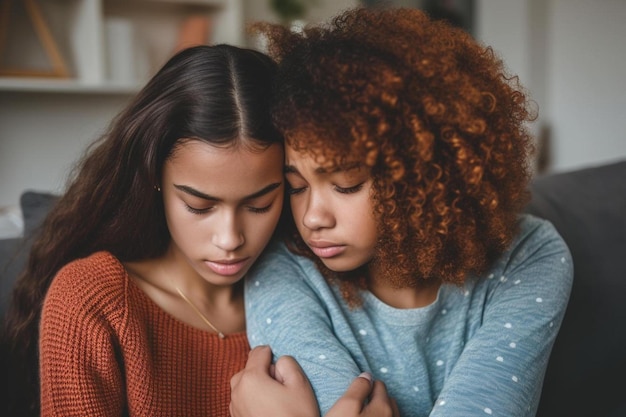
x: 570, y: 54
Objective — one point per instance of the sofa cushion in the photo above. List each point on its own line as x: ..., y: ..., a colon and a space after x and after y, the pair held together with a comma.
x: 14, y: 252
x: 588, y: 208
x: 35, y: 206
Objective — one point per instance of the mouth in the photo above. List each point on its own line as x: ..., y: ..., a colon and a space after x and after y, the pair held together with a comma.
x: 227, y: 267
x: 326, y: 249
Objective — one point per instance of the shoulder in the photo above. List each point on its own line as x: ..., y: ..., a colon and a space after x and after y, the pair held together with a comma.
x: 278, y: 263
x: 283, y: 283
x: 537, y: 238
x: 99, y: 277
x: 539, y: 258
x: 537, y: 229
x: 97, y: 268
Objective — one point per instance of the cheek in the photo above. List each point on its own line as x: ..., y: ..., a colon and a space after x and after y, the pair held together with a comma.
x: 181, y: 225
x: 185, y: 228
x: 364, y: 223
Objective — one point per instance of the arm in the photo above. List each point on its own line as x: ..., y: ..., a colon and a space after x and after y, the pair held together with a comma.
x: 501, y: 368
x: 264, y: 389
x: 78, y: 368
x: 284, y: 298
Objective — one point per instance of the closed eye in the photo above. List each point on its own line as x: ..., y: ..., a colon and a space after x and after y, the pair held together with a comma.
x: 260, y: 210
x: 293, y: 190
x: 198, y: 210
x: 349, y: 190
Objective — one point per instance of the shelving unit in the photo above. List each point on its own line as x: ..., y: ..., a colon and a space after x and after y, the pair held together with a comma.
x: 109, y: 45
x: 46, y: 122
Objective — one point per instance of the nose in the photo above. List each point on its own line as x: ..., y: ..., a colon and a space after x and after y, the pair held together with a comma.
x: 318, y: 213
x: 228, y: 234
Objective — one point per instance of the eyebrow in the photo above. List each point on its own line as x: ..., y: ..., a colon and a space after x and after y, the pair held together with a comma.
x: 192, y: 191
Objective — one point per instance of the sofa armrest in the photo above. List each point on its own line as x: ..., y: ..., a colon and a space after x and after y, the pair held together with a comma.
x: 588, y: 208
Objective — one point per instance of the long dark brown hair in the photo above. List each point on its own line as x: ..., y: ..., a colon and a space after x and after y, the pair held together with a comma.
x: 218, y: 94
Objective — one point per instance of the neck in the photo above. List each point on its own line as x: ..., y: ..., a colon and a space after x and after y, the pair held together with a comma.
x: 403, y: 297
x: 221, y: 305
x: 160, y: 277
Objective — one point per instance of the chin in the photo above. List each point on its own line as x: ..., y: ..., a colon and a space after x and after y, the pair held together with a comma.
x: 340, y: 265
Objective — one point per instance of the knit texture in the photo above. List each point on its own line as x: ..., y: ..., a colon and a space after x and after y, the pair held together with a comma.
x: 106, y: 349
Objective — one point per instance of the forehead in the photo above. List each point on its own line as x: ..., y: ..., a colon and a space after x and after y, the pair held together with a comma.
x: 305, y: 164
x: 224, y: 171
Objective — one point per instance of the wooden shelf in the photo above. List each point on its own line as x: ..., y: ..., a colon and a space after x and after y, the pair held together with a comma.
x: 110, y: 46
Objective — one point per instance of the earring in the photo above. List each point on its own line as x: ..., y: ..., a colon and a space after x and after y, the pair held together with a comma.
x: 157, y: 188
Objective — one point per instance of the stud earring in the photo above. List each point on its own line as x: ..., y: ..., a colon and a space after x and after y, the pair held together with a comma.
x: 157, y: 188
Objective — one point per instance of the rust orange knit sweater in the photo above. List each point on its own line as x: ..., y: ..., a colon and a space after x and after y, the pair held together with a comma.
x: 107, y: 350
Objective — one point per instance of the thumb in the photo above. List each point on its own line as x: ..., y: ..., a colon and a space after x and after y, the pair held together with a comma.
x: 260, y: 358
x: 288, y: 372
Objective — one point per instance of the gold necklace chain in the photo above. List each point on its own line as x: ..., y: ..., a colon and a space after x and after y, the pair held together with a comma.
x: 199, y: 313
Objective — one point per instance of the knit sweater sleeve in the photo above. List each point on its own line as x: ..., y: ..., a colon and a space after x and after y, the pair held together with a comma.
x: 80, y: 367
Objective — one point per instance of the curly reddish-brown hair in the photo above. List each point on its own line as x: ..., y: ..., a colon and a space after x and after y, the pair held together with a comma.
x: 432, y: 113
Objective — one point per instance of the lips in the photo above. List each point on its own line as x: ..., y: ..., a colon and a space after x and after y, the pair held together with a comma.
x: 227, y: 266
x: 326, y: 249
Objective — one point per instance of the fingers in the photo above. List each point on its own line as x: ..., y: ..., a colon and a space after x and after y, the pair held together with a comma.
x: 235, y: 379
x: 394, y: 408
x: 259, y: 361
x: 352, y: 401
x: 379, y: 392
x: 380, y: 403
x: 287, y: 371
x: 260, y: 358
x: 360, y: 389
x: 263, y: 389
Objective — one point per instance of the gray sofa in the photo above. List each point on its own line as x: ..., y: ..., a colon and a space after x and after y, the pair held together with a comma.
x: 585, y: 375
x: 14, y: 251
x: 586, y: 372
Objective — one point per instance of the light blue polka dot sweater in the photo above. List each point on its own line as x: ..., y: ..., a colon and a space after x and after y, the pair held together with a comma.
x: 478, y: 350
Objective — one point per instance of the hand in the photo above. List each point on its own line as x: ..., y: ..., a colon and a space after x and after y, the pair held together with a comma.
x: 262, y: 389
x: 354, y: 401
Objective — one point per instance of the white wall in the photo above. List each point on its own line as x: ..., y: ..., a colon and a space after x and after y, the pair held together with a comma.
x: 318, y: 10
x: 43, y: 134
x: 571, y: 54
x: 587, y: 81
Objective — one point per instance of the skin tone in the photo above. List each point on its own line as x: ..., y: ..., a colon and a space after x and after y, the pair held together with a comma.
x: 332, y: 209
x: 282, y: 390
x: 222, y: 206
x: 334, y: 213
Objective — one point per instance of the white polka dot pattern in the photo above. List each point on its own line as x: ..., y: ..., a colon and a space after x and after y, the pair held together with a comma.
x: 483, y: 334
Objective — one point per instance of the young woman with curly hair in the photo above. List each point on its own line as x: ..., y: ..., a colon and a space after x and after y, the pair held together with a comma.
x: 407, y: 161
